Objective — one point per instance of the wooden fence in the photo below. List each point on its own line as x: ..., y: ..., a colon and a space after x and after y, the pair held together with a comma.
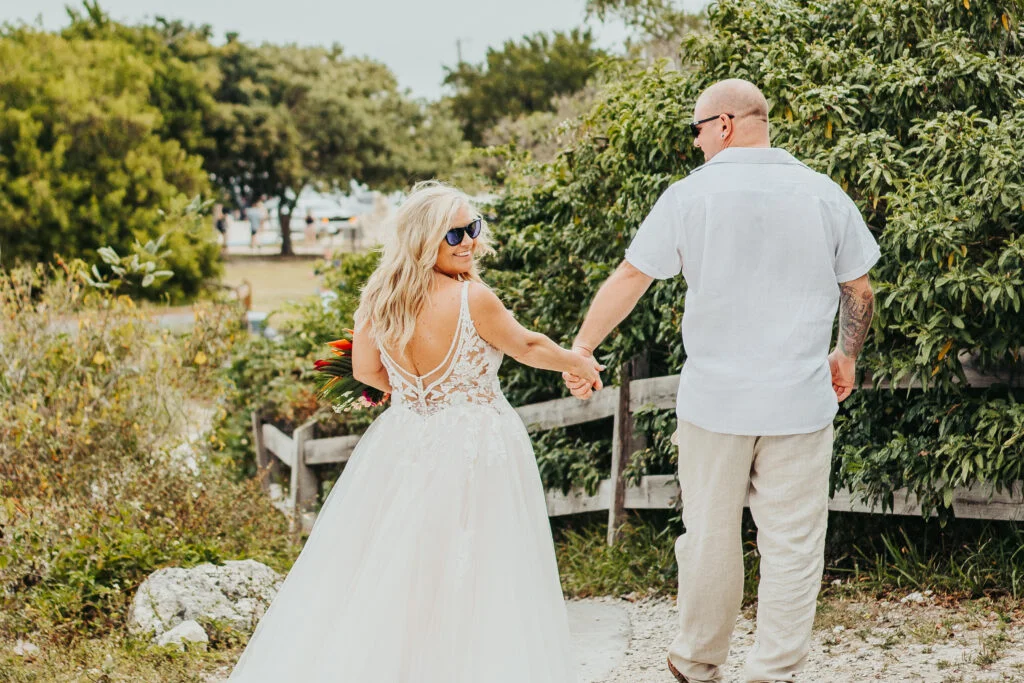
x: 301, y: 453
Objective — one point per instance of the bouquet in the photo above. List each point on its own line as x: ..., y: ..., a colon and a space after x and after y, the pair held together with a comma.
x: 336, y: 384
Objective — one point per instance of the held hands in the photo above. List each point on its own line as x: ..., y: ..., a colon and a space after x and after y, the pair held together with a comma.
x: 586, y: 380
x: 844, y: 371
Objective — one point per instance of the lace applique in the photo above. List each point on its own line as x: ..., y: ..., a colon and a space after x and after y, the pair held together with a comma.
x: 471, y: 375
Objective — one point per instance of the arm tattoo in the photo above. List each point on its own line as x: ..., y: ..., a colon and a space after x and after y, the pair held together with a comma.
x: 855, y: 311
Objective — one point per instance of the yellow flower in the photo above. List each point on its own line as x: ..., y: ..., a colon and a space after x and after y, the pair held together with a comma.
x: 99, y: 358
x: 200, y: 358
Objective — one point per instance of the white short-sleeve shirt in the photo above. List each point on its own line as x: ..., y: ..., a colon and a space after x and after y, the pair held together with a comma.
x: 763, y: 243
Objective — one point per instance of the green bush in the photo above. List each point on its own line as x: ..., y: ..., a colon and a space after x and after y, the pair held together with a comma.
x: 98, y: 485
x: 277, y: 376
x: 914, y: 109
x: 86, y: 159
x: 568, y: 460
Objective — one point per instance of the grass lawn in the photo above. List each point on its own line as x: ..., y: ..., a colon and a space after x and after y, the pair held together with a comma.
x: 275, y: 281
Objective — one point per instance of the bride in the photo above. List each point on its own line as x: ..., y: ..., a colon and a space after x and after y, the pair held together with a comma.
x: 431, y: 560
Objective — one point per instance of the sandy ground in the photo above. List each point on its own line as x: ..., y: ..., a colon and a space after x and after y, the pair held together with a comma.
x: 915, y: 640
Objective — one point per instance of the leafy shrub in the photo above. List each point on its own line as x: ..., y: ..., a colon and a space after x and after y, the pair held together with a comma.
x: 88, y: 160
x: 570, y: 460
x: 276, y: 376
x: 99, y: 484
x: 913, y: 109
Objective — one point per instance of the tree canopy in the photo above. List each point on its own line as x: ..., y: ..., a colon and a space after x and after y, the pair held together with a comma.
x: 290, y: 116
x: 105, y: 128
x: 521, y: 77
x: 86, y: 157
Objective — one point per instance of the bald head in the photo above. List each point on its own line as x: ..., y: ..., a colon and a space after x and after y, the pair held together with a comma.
x: 743, y: 116
x: 734, y: 96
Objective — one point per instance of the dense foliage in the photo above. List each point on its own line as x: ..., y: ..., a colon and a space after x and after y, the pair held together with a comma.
x: 520, y: 78
x: 103, y: 478
x: 277, y: 376
x: 88, y: 158
x: 103, y: 125
x: 288, y: 117
x: 915, y: 109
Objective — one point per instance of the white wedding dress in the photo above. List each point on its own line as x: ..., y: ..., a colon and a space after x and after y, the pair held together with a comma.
x: 431, y: 560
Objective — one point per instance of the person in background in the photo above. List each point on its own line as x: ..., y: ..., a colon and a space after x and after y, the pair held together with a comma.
x: 257, y: 216
x: 310, y: 236
x: 220, y: 222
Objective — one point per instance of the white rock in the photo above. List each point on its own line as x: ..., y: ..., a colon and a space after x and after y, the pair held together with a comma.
x: 237, y: 592
x: 23, y: 648
x: 185, y: 456
x: 913, y: 597
x: 189, y: 631
x: 838, y: 629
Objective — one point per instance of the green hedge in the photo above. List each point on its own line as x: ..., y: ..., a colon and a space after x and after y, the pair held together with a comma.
x: 916, y: 110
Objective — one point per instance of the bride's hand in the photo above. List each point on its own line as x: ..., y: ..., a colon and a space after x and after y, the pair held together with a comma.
x: 585, y: 378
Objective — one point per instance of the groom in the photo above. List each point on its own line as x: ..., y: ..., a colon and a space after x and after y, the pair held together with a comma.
x: 769, y: 250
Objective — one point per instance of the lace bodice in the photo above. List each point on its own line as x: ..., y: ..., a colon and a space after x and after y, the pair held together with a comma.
x: 467, y: 375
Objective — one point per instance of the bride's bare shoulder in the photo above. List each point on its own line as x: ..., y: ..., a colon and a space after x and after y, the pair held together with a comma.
x: 483, y: 302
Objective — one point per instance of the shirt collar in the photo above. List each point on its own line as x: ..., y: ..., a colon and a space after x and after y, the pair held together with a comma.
x: 752, y: 155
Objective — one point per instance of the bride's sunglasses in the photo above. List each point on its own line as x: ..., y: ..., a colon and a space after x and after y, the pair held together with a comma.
x: 454, y: 236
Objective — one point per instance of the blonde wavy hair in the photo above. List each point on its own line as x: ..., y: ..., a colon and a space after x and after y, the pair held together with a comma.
x: 396, y: 292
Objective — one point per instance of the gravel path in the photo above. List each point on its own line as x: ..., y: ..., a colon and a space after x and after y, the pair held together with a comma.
x: 914, y: 640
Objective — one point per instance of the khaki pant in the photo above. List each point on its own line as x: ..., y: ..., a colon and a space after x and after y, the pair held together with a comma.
x: 785, y: 479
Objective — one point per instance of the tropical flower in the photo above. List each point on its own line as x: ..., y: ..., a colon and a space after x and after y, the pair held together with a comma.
x: 336, y: 383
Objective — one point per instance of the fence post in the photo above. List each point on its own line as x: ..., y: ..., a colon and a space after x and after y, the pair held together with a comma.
x: 304, y: 482
x: 624, y: 443
x: 267, y: 466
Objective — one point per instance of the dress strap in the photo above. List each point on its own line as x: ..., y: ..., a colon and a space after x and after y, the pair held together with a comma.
x: 464, y: 310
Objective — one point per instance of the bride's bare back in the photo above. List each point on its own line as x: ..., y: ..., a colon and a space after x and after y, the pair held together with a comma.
x: 430, y: 350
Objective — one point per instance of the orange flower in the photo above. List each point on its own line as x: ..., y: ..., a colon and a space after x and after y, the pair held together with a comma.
x: 340, y: 345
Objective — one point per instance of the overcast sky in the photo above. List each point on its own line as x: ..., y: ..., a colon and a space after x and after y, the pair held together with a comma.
x: 415, y: 38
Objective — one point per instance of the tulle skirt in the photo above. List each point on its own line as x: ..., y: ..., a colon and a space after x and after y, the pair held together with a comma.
x: 431, y: 562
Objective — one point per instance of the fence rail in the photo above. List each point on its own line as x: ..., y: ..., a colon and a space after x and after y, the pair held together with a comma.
x: 300, y: 453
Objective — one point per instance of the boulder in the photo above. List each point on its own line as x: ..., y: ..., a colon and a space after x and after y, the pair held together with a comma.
x: 237, y: 592
x: 187, y: 631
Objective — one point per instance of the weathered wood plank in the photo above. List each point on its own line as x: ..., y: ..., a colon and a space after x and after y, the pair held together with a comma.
x: 305, y: 485
x: 659, y: 391
x: 904, y: 504
x: 655, y: 492
x: 621, y: 429
x: 577, y: 501
x: 661, y: 492
x: 279, y: 444
x: 331, y: 450
x: 563, y: 412
x: 1013, y: 376
x: 267, y: 466
x: 982, y: 502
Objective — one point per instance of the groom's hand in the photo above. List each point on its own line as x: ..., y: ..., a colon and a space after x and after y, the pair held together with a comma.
x: 579, y: 386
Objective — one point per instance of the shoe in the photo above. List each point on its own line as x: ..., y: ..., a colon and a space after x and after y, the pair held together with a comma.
x: 675, y: 672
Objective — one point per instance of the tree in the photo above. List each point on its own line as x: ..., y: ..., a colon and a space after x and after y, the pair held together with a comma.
x: 915, y: 109
x: 289, y: 117
x: 520, y: 78
x: 86, y: 159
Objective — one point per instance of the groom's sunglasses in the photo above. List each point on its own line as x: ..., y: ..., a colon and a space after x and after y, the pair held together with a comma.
x: 454, y: 236
x: 695, y: 126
